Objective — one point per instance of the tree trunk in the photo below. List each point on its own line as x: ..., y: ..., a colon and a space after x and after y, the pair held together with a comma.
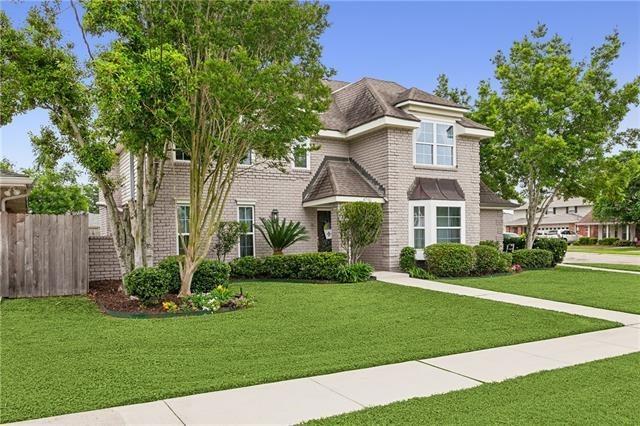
x: 186, y: 275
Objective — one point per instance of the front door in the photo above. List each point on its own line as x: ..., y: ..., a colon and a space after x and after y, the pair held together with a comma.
x: 324, y: 230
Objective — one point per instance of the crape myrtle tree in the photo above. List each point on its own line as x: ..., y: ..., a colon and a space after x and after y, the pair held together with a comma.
x: 122, y: 98
x: 554, y: 119
x: 253, y: 82
x: 360, y: 224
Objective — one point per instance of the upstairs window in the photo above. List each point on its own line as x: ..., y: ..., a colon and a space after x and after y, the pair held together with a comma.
x: 301, y: 155
x: 248, y: 159
x: 182, y: 156
x: 434, y: 144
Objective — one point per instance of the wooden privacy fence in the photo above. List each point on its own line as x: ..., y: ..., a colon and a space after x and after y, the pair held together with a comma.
x: 43, y: 255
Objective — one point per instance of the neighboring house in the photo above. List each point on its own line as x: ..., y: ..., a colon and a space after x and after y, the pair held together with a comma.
x: 14, y: 190
x: 412, y: 152
x: 574, y: 214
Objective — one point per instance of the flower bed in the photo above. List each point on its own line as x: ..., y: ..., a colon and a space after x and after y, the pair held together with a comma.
x: 110, y: 298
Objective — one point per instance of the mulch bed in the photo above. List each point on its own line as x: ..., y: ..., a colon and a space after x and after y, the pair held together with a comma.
x: 109, y: 296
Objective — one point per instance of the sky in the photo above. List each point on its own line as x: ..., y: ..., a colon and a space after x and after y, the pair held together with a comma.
x: 411, y: 43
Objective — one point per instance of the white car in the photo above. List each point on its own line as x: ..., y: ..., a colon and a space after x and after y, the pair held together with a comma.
x: 568, y: 236
x: 546, y: 234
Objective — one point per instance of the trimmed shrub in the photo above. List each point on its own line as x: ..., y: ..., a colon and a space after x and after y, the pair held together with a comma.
x: 246, y: 267
x: 586, y: 241
x: 209, y: 275
x: 557, y: 246
x: 147, y: 284
x: 407, y: 258
x: 316, y: 266
x: 423, y: 274
x: 171, y: 265
x: 623, y: 243
x: 450, y: 259
x: 607, y: 241
x: 533, y: 258
x: 518, y: 242
x: 489, y: 260
x: 507, y: 259
x: 354, y: 273
x: 490, y: 243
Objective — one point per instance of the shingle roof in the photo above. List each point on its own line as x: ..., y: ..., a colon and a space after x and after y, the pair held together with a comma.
x: 4, y: 173
x: 488, y: 198
x: 548, y: 220
x: 368, y: 99
x: 466, y: 122
x: 340, y: 176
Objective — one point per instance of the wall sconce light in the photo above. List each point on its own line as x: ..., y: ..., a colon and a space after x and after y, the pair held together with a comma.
x: 274, y: 214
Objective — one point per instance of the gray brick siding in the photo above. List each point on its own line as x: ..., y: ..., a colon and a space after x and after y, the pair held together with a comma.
x: 103, y: 261
x: 491, y: 225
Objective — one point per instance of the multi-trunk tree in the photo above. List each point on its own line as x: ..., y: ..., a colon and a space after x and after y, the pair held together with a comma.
x: 252, y: 82
x: 122, y: 98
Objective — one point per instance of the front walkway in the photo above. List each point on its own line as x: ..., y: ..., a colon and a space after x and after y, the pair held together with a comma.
x: 580, y: 257
x: 298, y: 400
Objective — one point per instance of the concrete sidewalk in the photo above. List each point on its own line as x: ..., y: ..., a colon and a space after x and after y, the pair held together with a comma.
x: 294, y: 401
x: 597, y: 268
x: 584, y: 257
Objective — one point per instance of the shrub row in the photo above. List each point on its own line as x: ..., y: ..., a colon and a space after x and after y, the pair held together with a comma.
x: 458, y: 260
x: 587, y: 241
x: 307, y: 266
x: 557, y: 246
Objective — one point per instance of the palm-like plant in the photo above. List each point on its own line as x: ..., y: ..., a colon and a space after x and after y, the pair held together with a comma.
x: 280, y: 235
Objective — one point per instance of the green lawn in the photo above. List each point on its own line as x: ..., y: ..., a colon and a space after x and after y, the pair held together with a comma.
x: 621, y: 267
x: 597, y: 393
x: 605, y: 249
x: 61, y: 355
x: 609, y: 290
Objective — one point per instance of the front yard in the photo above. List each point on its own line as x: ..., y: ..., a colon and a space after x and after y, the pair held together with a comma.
x: 61, y: 355
x: 601, y: 392
x: 600, y: 289
x: 605, y: 250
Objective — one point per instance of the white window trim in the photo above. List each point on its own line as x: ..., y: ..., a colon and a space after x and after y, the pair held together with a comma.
x: 431, y: 229
x: 253, y: 232
x: 306, y: 142
x: 179, y: 204
x: 434, y: 152
x: 175, y: 160
x: 251, y: 160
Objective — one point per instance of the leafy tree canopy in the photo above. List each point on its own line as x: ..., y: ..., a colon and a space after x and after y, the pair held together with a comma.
x: 617, y: 189
x: 57, y: 191
x: 457, y: 95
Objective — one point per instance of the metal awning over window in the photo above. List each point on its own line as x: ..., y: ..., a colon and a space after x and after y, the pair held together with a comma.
x: 435, y: 189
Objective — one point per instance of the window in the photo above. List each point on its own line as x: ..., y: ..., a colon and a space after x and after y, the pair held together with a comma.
x: 418, y: 227
x: 247, y: 241
x: 448, y: 224
x: 554, y: 210
x: 183, y: 227
x: 182, y: 156
x: 567, y: 210
x: 301, y: 155
x: 248, y: 159
x: 434, y: 144
x: 575, y: 209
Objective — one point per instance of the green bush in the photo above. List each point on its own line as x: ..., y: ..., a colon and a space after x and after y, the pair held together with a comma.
x: 533, y: 258
x: 171, y: 265
x: 490, y: 243
x: 306, y: 266
x: 246, y: 267
x: 450, y: 259
x: 209, y: 275
x: 623, y: 243
x: 607, y: 241
x: 147, y: 284
x: 354, y: 273
x: 557, y: 246
x: 359, y: 224
x: 489, y: 260
x: 418, y: 272
x: 507, y: 259
x: 518, y: 242
x: 407, y: 258
x: 586, y: 241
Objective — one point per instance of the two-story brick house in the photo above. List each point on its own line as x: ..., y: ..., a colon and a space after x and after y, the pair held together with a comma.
x: 413, y: 152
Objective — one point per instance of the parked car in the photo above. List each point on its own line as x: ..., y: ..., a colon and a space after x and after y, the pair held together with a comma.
x: 546, y: 234
x: 569, y: 236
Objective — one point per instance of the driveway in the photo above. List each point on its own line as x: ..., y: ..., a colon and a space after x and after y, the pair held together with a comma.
x: 623, y: 259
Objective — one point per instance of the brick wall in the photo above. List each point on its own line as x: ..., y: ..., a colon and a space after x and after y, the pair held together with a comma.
x: 491, y: 225
x: 103, y: 261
